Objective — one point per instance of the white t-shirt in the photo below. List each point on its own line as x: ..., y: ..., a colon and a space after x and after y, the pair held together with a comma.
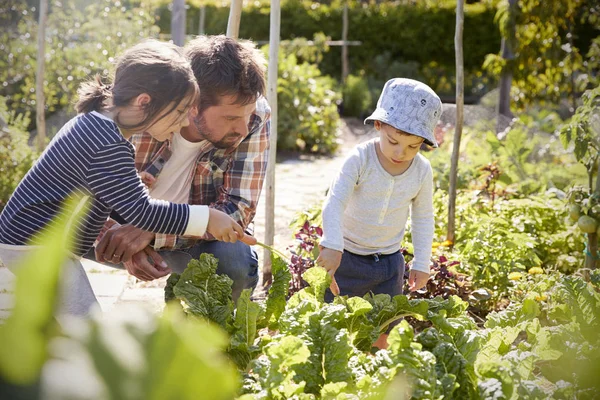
x: 367, y: 208
x: 174, y: 181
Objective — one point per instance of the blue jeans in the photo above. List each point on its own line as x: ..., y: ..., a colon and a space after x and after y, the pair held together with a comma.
x: 237, y: 260
x: 377, y: 273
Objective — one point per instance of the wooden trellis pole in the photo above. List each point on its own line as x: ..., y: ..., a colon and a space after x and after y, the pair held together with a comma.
x: 40, y: 101
x: 235, y: 14
x: 178, y: 22
x: 460, y: 99
x: 345, y: 69
x: 272, y: 98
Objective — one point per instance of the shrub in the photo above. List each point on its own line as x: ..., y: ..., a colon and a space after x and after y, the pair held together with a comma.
x: 307, y: 106
x: 16, y: 157
x: 80, y: 42
x: 356, y: 95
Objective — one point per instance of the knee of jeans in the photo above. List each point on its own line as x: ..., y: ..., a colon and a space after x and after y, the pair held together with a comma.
x: 238, y: 260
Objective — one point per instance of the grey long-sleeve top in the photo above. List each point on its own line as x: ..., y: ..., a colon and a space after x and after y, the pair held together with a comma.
x: 366, y: 209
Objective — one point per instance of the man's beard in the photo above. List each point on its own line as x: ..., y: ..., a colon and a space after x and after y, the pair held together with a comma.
x: 207, y: 134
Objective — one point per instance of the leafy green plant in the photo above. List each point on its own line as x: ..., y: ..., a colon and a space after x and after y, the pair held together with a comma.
x: 547, y: 48
x: 307, y: 101
x: 16, y: 156
x: 81, y: 41
x: 356, y: 96
x: 582, y: 134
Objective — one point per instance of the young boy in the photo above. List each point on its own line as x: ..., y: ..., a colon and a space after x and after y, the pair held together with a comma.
x: 365, y: 213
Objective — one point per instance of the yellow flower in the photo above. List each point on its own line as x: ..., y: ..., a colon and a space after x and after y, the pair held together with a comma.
x: 541, y: 297
x: 435, y: 245
x: 515, y: 276
x: 447, y: 243
x: 536, y: 271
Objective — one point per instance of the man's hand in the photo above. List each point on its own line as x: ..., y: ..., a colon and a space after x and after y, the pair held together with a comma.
x: 330, y: 260
x: 417, y: 280
x: 225, y: 229
x: 147, y: 265
x: 121, y: 242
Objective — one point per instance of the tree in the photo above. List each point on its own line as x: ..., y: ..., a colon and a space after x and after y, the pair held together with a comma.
x: 547, y: 65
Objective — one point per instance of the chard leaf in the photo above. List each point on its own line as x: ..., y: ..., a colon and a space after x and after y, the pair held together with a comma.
x: 319, y: 280
x: 278, y: 291
x: 205, y: 293
x: 243, y: 334
x: 171, y: 282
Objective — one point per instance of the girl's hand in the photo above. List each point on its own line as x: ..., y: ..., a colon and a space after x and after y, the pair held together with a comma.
x: 147, y: 179
x: 330, y: 260
x: 225, y: 229
x: 417, y: 280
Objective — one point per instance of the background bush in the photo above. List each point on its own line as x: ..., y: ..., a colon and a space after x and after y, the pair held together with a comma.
x: 81, y: 40
x: 415, y: 32
x: 16, y: 157
x: 307, y: 103
x: 356, y: 95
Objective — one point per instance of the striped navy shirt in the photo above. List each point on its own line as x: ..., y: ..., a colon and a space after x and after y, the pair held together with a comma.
x: 89, y: 156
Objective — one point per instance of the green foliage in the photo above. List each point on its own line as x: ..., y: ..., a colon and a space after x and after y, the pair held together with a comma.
x: 204, y: 293
x: 16, y: 157
x: 81, y: 40
x: 544, y: 344
x: 414, y: 32
x: 278, y: 291
x: 307, y: 104
x: 547, y: 40
x: 526, y: 233
x: 525, y: 159
x: 582, y: 132
x: 26, y: 333
x: 356, y: 95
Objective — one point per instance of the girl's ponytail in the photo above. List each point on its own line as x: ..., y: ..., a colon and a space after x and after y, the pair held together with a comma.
x: 92, y: 95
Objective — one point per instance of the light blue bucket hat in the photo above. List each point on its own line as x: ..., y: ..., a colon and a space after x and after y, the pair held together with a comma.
x: 410, y: 106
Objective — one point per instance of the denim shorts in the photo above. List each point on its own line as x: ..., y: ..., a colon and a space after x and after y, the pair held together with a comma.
x: 376, y: 273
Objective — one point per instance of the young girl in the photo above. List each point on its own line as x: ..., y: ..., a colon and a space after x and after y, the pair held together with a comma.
x: 153, y: 90
x: 368, y: 204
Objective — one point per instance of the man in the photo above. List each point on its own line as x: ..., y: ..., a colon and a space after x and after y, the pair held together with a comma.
x: 219, y: 160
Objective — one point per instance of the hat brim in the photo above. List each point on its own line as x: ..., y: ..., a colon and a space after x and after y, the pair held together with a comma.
x: 380, y: 115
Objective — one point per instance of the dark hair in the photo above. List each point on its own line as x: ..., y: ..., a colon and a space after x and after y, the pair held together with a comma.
x: 157, y: 68
x: 226, y: 67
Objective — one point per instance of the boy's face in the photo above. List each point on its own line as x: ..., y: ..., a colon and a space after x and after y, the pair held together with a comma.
x: 397, y: 147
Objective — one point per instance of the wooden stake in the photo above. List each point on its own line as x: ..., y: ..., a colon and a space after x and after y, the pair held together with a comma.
x: 460, y: 98
x: 272, y: 98
x: 40, y: 101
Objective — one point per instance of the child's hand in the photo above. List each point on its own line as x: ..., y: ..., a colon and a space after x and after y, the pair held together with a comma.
x: 417, y: 280
x: 225, y: 229
x: 330, y: 260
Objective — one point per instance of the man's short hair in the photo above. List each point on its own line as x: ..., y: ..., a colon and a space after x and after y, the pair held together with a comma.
x: 226, y: 67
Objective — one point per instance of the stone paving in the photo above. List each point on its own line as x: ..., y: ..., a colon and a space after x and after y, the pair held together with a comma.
x: 300, y: 181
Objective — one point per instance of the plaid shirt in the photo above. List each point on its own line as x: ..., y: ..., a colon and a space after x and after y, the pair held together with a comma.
x: 229, y: 180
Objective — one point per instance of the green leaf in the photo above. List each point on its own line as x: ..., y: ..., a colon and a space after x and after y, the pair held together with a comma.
x: 205, y: 293
x: 171, y: 282
x: 243, y: 333
x: 25, y: 334
x: 319, y: 280
x: 581, y: 148
x: 181, y: 346
x: 278, y: 291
